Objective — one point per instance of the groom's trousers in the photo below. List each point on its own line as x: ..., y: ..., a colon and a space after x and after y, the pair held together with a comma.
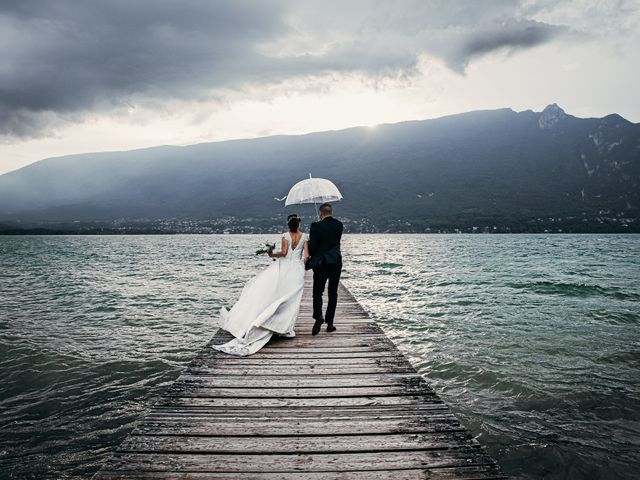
x: 321, y: 274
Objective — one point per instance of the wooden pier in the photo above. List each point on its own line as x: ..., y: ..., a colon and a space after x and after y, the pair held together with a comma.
x: 342, y: 405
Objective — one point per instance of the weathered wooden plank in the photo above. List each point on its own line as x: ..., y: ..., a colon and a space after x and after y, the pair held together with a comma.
x: 316, y: 462
x: 301, y: 381
x: 165, y: 415
x: 474, y: 472
x: 328, y: 392
x: 295, y: 353
x: 327, y: 339
x: 342, y: 318
x: 354, y: 368
x: 381, y: 365
x: 301, y: 370
x: 271, y: 427
x: 359, y: 328
x: 324, y: 349
x: 344, y: 363
x: 345, y: 443
x: 409, y: 401
x: 205, y: 421
x: 348, y: 319
x: 316, y: 411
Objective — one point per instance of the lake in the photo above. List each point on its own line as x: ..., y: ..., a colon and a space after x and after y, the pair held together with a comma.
x: 532, y: 340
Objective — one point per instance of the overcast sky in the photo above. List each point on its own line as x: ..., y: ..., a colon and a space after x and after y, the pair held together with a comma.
x: 79, y: 76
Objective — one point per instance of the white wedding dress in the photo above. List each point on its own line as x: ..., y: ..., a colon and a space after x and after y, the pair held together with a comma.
x: 269, y: 303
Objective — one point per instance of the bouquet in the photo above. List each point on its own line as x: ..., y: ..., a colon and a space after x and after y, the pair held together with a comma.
x: 268, y: 248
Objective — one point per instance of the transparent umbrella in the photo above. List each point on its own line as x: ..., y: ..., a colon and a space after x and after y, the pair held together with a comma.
x: 312, y: 190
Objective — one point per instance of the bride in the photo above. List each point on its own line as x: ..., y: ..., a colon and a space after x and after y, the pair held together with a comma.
x: 270, y: 301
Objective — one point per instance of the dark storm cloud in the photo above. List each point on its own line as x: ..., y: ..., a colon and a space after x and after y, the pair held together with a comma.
x: 68, y: 57
x: 510, y: 35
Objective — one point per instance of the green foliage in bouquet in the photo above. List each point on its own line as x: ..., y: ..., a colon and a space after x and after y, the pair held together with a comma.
x: 268, y: 248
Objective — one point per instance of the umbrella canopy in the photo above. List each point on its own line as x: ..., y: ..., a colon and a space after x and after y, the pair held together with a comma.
x: 313, y: 190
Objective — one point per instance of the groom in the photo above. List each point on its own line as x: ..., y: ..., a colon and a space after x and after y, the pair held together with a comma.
x: 326, y: 262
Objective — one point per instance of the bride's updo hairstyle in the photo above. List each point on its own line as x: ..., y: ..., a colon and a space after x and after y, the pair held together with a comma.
x: 293, y: 222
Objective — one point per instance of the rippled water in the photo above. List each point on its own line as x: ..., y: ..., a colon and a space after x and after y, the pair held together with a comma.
x: 533, y: 340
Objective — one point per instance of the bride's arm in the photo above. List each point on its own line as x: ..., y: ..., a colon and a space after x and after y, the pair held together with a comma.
x: 305, y: 251
x: 284, y: 249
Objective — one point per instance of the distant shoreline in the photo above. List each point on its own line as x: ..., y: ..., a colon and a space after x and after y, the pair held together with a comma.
x: 46, y: 232
x: 274, y: 225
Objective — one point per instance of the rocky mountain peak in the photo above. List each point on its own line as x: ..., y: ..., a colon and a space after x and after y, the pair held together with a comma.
x: 553, y: 108
x: 551, y: 115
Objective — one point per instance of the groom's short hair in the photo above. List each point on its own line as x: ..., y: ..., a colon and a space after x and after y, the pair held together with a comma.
x: 326, y: 209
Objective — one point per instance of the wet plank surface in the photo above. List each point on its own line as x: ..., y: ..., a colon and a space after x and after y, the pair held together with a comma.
x: 341, y: 405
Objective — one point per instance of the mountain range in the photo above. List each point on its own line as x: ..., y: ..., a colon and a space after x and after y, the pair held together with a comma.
x: 486, y: 171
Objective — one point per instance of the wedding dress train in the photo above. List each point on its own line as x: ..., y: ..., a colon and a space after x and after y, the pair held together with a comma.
x: 269, y: 303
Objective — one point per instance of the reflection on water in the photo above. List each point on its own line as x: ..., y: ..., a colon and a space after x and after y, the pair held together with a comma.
x: 533, y: 340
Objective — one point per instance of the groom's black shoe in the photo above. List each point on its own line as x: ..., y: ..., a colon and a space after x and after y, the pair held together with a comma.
x: 316, y: 326
x: 331, y: 328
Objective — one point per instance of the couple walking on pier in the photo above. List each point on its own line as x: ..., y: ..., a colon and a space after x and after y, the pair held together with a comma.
x: 270, y: 301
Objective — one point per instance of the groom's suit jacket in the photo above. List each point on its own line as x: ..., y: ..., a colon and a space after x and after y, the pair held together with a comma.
x: 324, y: 243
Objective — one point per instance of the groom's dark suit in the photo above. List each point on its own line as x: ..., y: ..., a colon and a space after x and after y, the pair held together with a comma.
x: 326, y: 261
